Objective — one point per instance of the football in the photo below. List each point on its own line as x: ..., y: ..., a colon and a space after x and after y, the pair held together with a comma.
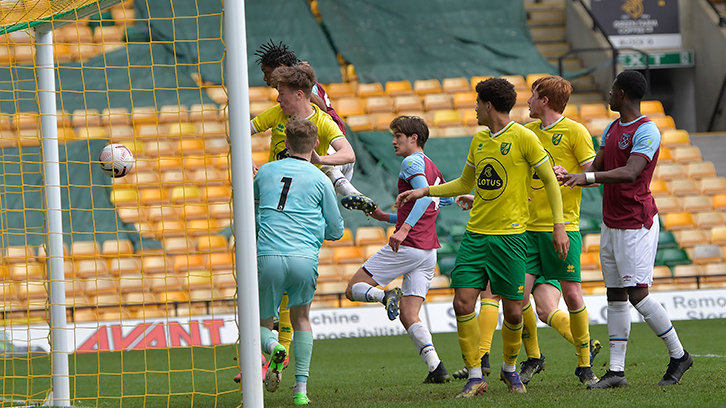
x: 116, y: 160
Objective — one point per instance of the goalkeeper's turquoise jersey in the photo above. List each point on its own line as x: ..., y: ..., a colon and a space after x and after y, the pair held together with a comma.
x: 296, y: 209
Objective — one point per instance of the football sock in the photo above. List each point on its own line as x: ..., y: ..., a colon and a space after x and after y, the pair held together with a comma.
x: 529, y: 332
x: 475, y: 372
x: 285, y: 327
x: 302, y: 342
x: 300, y: 386
x: 511, y: 342
x: 364, y: 292
x: 618, y: 332
x: 508, y: 368
x: 468, y: 331
x: 340, y: 183
x: 268, y: 340
x: 421, y: 338
x: 658, y: 321
x: 488, y: 320
x: 560, y: 321
x: 580, y: 327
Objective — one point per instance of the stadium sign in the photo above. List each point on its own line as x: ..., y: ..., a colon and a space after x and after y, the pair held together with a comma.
x: 365, y: 321
x: 641, y: 24
x: 636, y: 60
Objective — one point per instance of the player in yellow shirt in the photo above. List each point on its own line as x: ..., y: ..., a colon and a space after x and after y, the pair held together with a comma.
x: 499, y: 169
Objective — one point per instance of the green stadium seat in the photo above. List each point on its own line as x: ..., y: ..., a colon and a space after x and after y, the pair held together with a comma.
x: 447, y: 249
x: 446, y: 264
x: 589, y: 225
x: 457, y: 231
x: 671, y: 257
x: 666, y: 240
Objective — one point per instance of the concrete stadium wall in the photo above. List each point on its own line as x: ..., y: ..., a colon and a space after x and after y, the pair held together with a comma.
x: 708, y: 41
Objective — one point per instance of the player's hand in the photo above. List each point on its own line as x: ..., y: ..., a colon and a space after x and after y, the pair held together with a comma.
x: 379, y: 215
x: 559, y: 171
x: 399, y: 236
x: 571, y: 180
x: 466, y: 202
x: 560, y: 241
x: 315, y: 158
x: 254, y: 168
x: 409, y: 195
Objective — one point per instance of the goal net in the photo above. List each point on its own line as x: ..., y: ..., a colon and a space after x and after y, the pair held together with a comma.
x: 148, y: 259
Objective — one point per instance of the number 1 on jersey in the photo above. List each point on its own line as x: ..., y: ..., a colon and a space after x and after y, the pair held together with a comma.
x: 286, y: 181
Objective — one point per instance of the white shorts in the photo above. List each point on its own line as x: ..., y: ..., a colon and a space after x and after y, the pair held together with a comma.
x: 627, y: 255
x: 346, y: 169
x: 415, y: 265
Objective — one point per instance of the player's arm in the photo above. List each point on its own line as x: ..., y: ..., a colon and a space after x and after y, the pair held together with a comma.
x: 462, y: 185
x: 334, y: 226
x: 559, y: 236
x: 344, y: 153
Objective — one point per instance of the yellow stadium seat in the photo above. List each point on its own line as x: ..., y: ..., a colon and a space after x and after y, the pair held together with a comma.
x: 325, y: 256
x: 679, y: 221
x: 157, y: 213
x: 361, y: 123
x: 683, y: 187
x: 455, y: 85
x: 84, y: 249
x: 220, y: 210
x: 370, y: 90
x: 170, y: 228
x: 469, y: 118
x: 719, y: 202
x: 28, y: 290
x: 403, y: 103
x: 124, y: 266
x: 696, y: 203
x: 156, y: 148
x: 115, y: 116
x: 456, y: 131
x: 186, y: 194
x: 19, y: 254
x: 522, y: 97
x: 156, y: 264
x: 194, y: 212
x: 164, y: 163
x: 132, y: 283
x: 219, y: 261
x: 437, y: 101
x: 377, y: 104
x: 517, y: 80
x: 209, y: 129
x: 217, y: 194
x: 591, y: 243
x: 328, y: 273
x: 465, y: 100
x: 596, y: 125
x: 686, y: 154
x: 529, y: 79
x: 172, y: 178
x: 709, y: 219
x: 571, y: 111
x: 370, y: 235
x: 348, y: 255
x: 345, y: 240
x: 349, y: 106
x: 396, y: 88
x: 445, y: 118
x: 691, y: 237
x: 383, y: 120
x: 143, y: 115
x: 340, y: 90
x: 712, y: 185
x: 590, y: 111
x: 701, y: 170
x: 186, y: 262
x: 674, y: 138
x: 173, y: 113
x: 154, y: 196
x: 27, y: 271
x: 202, y: 226
x: 658, y: 188
x: 427, y: 86
x: 181, y: 130
x: 664, y: 122
x: 178, y: 245
x: 117, y: 248
x: 718, y: 235
x: 665, y: 155
x: 476, y: 79
x: 211, y: 243
x: 652, y: 108
x: 257, y: 94
x: 668, y: 204
x: 198, y: 162
x: 257, y: 108
x: 590, y: 260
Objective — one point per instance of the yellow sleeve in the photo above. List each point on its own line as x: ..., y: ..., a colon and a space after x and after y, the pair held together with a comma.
x: 462, y: 185
x: 329, y: 130
x: 552, y: 187
x: 582, y: 145
x: 266, y: 119
x: 533, y: 150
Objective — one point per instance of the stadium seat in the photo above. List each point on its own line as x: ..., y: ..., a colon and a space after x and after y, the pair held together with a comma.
x: 115, y: 116
x: 340, y: 90
x: 219, y: 261
x: 124, y: 266
x: 469, y: 118
x: 27, y: 271
x: 210, y: 129
x: 158, y: 213
x: 665, y: 155
x: 187, y: 262
x: 28, y: 290
x: 165, y: 163
x: 369, y: 235
x: 154, y: 196
x: 220, y: 210
x: 664, y: 123
x: 117, y: 248
x: 131, y: 214
x: 182, y: 130
x: 156, y: 148
x: 718, y: 235
x: 705, y: 254
x: 378, y: 104
x: 530, y: 78
x: 719, y: 202
x: 672, y: 257
x: 143, y: 115
x: 196, y: 162
x: 437, y: 101
x: 589, y: 111
x: 348, y: 255
x: 211, y: 243
x: 683, y: 187
x: 371, y: 249
x: 84, y: 250
x: 132, y: 283
x: 455, y: 85
x: 690, y: 238
x: 652, y: 108
x: 669, y: 171
x: 178, y: 245
x: 591, y: 243
x: 402, y: 103
x: 427, y: 86
x: 328, y: 273
x: 90, y: 132
x: 590, y: 260
x: 361, y: 123
x: 701, y: 170
x: 383, y: 120
x: 325, y: 256
x: 257, y: 94
x: 101, y: 285
x: 397, y: 88
x: 476, y: 79
x: 712, y: 185
x: 517, y: 80
x: 589, y: 225
x: 666, y: 240
x: 465, y: 100
x: 686, y: 154
x: 185, y: 195
x: 456, y: 131
x: 19, y: 254
x: 668, y: 204
x: 370, y: 90
x: 173, y: 114
x: 257, y: 108
x: 679, y: 221
x: 151, y: 133
x: 444, y: 118
x: 674, y: 138
x: 457, y: 231
x: 170, y: 228
x: 709, y: 219
x: 662, y: 274
x: 522, y: 98
x: 696, y: 203
x: 345, y: 240
x: 658, y: 188
x: 174, y: 179
x: 349, y: 106
x: 202, y: 227
x: 217, y: 194
x: 597, y: 126
x: 571, y: 111
x: 715, y: 273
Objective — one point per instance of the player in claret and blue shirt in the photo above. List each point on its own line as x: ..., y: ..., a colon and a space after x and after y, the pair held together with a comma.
x: 411, y: 250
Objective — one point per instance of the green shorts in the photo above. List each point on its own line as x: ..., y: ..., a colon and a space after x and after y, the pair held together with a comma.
x: 542, y: 260
x: 279, y: 274
x: 496, y: 259
x: 541, y: 279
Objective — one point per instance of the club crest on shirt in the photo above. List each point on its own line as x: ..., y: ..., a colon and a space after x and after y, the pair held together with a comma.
x: 624, y: 141
x: 556, y: 138
x: 504, y: 148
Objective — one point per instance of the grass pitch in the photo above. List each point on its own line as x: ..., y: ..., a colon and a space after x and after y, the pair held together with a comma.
x: 385, y: 372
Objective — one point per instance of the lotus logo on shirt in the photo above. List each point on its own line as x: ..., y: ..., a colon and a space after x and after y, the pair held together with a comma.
x: 504, y: 148
x: 492, y: 179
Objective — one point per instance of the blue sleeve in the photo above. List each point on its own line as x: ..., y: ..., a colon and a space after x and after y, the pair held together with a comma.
x: 422, y: 204
x: 256, y: 195
x: 333, y: 220
x: 392, y: 218
x: 413, y: 165
x: 646, y: 140
x: 603, y: 137
x: 444, y: 201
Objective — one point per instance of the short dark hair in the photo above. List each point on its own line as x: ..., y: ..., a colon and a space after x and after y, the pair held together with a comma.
x: 499, y: 92
x: 556, y: 89
x: 633, y: 83
x: 297, y: 77
x: 408, y: 125
x: 301, y: 134
x: 275, y: 55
